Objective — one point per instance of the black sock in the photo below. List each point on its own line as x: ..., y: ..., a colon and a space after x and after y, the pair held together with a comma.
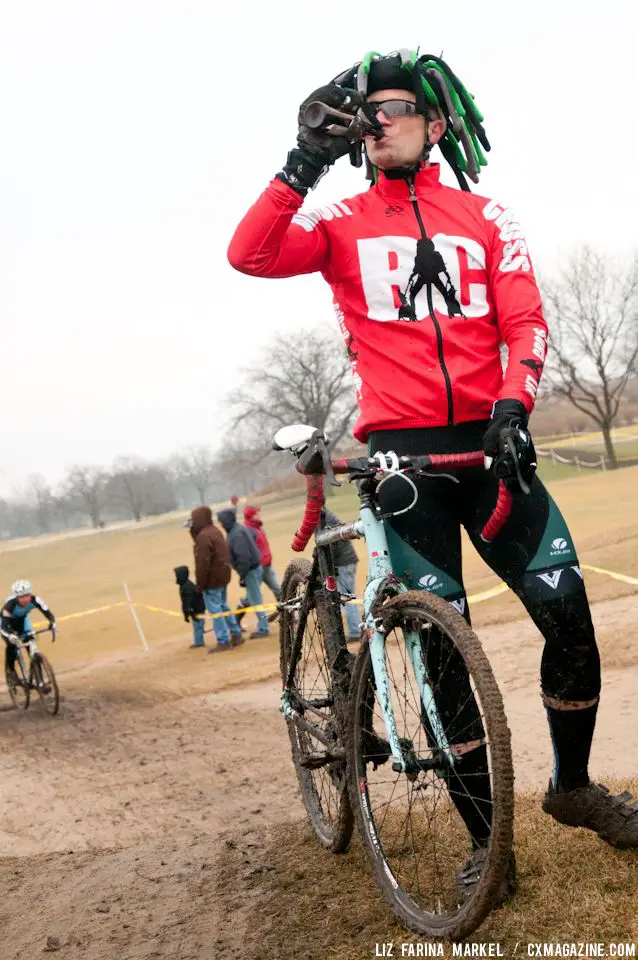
x: 572, y: 732
x: 471, y: 793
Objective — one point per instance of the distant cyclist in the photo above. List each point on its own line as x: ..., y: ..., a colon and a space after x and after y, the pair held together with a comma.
x: 428, y: 283
x: 15, y: 618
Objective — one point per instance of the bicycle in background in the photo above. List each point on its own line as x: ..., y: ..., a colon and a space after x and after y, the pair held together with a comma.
x: 32, y: 672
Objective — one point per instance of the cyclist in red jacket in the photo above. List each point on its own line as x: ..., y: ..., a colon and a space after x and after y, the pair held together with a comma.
x: 252, y: 519
x: 428, y: 283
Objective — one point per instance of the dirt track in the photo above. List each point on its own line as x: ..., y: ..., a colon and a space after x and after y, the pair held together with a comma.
x: 118, y: 814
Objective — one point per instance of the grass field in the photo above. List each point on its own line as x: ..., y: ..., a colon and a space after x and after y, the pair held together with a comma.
x: 82, y: 572
x: 572, y: 888
x: 621, y: 434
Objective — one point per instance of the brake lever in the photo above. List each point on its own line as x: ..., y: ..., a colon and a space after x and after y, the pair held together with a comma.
x: 327, y: 466
x: 509, y: 443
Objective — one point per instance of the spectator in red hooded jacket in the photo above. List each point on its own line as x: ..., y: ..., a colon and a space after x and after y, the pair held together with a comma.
x: 252, y: 519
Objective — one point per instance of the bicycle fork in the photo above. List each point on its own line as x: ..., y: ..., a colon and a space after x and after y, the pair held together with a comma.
x: 381, y: 579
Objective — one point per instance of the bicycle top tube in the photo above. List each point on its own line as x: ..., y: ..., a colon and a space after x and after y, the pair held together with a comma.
x: 315, y: 467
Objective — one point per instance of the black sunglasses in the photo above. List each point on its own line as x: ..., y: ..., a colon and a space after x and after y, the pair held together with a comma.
x: 393, y: 108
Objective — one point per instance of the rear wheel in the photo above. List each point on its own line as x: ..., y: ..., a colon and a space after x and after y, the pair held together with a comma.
x: 319, y: 763
x: 18, y: 685
x: 42, y: 680
x: 427, y: 829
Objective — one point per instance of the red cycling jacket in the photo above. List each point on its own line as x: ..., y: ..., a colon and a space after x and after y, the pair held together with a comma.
x: 429, y: 373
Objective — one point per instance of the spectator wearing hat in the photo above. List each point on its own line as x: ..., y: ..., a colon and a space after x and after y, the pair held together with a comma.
x: 245, y: 558
x: 212, y: 575
x: 346, y: 560
x: 252, y: 520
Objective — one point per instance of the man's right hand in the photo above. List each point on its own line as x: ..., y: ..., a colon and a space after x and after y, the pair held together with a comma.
x: 316, y: 150
x: 186, y: 617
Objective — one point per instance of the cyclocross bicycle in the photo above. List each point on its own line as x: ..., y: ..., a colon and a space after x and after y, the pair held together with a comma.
x: 35, y: 675
x: 392, y: 736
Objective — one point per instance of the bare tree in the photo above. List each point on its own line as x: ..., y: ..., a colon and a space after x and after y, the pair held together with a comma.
x: 65, y: 508
x: 126, y: 485
x: 592, y: 310
x: 196, y: 466
x: 40, y: 495
x: 139, y: 487
x: 87, y: 485
x: 304, y: 378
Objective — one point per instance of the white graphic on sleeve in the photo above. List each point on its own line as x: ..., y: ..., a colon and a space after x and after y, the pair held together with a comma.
x: 308, y: 219
x: 386, y: 265
x: 515, y: 255
x: 539, y: 349
x: 459, y: 604
x: 531, y: 386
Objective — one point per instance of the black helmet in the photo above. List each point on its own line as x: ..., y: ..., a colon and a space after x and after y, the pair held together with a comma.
x: 438, y: 92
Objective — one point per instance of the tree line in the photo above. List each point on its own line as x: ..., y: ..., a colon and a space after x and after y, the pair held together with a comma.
x: 591, y: 305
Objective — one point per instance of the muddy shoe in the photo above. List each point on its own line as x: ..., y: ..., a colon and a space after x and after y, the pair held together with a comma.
x: 593, y: 807
x: 236, y: 640
x: 469, y: 876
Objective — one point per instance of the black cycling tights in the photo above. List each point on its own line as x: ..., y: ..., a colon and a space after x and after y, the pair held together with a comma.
x: 10, y: 654
x: 534, y: 554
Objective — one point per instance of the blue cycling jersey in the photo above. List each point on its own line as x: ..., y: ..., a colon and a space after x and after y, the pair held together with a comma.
x: 15, y: 616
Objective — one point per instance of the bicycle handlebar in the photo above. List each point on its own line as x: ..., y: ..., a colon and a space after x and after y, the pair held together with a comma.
x: 370, y: 466
x: 28, y: 636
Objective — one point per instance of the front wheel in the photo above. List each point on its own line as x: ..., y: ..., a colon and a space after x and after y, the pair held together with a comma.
x: 18, y: 685
x: 439, y: 835
x: 42, y: 680
x: 319, y: 759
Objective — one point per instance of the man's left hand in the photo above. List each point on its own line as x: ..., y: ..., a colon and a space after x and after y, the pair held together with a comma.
x: 508, y: 443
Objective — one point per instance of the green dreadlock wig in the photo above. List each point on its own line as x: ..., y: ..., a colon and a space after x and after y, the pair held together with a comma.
x: 437, y: 89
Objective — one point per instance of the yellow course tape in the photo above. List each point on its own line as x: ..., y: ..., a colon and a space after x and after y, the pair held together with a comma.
x: 488, y: 594
x: 616, y: 576
x: 213, y: 616
x: 475, y: 598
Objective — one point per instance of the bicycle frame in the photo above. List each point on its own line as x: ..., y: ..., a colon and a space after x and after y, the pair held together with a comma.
x: 25, y: 642
x: 381, y: 580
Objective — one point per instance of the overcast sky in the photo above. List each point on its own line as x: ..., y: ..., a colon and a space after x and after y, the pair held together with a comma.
x: 135, y: 134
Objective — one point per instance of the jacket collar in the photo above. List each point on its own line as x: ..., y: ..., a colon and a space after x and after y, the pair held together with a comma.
x: 426, y: 181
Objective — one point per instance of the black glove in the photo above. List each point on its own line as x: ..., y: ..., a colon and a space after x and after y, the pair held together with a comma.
x: 508, y: 442
x: 186, y: 617
x: 317, y: 150
x: 242, y: 583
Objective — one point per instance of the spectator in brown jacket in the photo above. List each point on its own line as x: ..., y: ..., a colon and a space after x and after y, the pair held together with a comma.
x: 212, y: 575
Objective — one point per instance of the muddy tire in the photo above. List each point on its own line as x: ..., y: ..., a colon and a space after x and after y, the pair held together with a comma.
x: 415, y: 826
x: 43, y: 682
x: 324, y: 788
x: 20, y: 692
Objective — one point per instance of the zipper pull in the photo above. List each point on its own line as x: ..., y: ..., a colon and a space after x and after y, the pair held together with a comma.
x: 411, y: 189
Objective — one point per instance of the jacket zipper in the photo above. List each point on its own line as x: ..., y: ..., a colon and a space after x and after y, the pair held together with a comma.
x: 437, y: 326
